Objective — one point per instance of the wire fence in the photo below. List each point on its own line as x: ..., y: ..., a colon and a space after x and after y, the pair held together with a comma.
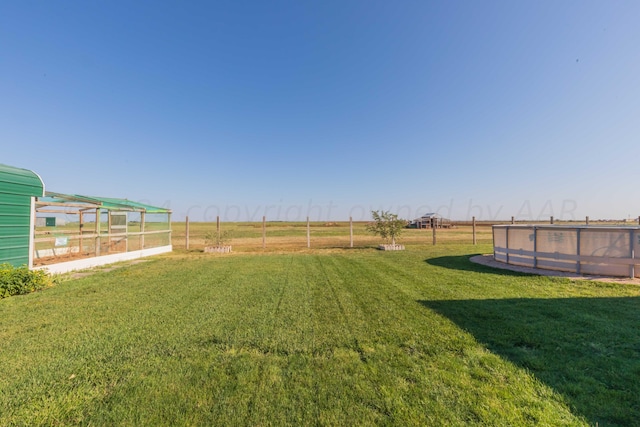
x: 286, y: 236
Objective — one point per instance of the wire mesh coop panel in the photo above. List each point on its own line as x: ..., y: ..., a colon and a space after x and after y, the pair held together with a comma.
x: 88, y: 227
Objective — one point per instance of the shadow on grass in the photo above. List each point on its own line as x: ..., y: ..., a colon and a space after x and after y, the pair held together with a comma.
x: 587, y: 349
x: 462, y: 263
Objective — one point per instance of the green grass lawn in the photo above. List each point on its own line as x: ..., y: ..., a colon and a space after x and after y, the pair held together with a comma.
x: 335, y: 337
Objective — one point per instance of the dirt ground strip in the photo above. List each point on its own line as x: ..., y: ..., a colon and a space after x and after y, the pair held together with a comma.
x: 490, y: 262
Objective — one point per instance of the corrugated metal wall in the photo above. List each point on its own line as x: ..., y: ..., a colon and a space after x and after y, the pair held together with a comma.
x: 17, y: 187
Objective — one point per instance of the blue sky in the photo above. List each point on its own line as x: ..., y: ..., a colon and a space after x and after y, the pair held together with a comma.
x: 328, y: 108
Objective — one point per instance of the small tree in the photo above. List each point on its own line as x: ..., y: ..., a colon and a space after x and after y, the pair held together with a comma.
x: 213, y: 238
x: 386, y: 225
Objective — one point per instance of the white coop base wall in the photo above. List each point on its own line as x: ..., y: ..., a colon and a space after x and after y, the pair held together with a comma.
x: 81, y: 264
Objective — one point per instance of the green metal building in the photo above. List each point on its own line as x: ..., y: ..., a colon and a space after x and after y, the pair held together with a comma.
x: 18, y: 190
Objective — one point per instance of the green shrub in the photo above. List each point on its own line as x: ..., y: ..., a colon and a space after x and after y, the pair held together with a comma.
x: 21, y: 280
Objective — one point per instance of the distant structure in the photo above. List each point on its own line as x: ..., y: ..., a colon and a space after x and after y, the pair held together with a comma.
x: 50, y: 221
x: 430, y: 220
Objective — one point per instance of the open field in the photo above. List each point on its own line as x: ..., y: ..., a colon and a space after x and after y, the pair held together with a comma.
x: 288, y: 236
x: 321, y: 337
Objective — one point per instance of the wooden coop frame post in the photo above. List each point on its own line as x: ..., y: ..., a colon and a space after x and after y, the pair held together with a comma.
x: 80, y: 226
x: 97, y: 248
x: 169, y: 225
x: 142, y: 215
x: 109, y: 231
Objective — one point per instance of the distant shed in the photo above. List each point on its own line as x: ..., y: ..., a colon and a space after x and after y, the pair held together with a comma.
x: 18, y: 190
x: 430, y: 220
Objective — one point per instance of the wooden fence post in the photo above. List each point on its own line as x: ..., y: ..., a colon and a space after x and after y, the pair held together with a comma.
x: 351, y: 231
x: 587, y: 220
x: 474, y: 230
x: 513, y: 220
x: 551, y: 220
x: 186, y: 234
x: 434, y: 235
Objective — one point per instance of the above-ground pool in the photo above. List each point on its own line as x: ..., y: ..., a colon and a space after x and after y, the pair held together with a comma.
x: 606, y: 251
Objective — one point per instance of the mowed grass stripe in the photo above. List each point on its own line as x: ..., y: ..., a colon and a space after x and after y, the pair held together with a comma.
x: 88, y: 337
x: 346, y: 338
x: 446, y: 364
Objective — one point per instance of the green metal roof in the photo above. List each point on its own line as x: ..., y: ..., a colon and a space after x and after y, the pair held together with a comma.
x: 133, y: 205
x: 20, y: 181
x: 108, y: 203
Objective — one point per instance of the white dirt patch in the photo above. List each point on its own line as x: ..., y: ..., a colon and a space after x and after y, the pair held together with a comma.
x: 90, y: 271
